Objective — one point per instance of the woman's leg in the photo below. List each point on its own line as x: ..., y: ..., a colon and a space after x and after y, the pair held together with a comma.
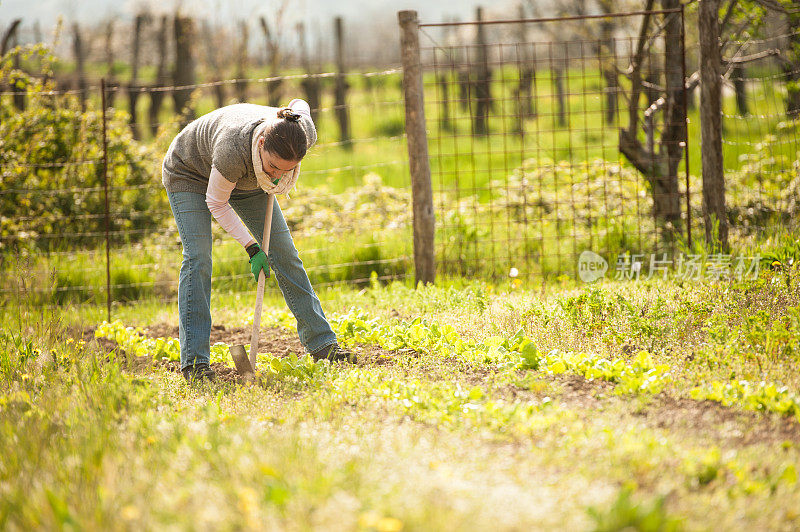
x: 312, y: 326
x: 194, y: 285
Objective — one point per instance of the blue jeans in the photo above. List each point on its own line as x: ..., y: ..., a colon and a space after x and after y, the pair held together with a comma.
x: 194, y: 286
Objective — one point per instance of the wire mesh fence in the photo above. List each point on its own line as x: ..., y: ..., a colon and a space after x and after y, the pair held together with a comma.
x: 760, y: 115
x: 553, y: 136
x: 547, y: 137
x: 348, y: 214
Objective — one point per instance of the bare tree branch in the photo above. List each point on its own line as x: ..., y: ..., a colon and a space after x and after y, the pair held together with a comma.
x: 728, y: 15
x: 9, y: 33
x: 752, y: 57
x: 636, y: 67
x: 773, y: 5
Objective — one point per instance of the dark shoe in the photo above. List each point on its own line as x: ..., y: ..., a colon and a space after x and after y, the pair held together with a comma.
x: 334, y: 353
x: 198, y: 372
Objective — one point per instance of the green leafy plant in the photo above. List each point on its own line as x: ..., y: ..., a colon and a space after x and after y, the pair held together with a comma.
x: 134, y: 342
x: 640, y: 376
x: 765, y: 397
x: 627, y: 514
x: 299, y: 369
x: 518, y: 352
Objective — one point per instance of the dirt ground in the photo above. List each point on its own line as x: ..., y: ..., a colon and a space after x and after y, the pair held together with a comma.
x: 274, y: 340
x: 705, y: 419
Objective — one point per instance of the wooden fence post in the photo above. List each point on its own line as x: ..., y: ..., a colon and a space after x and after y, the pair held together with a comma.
x: 19, y: 98
x: 79, y: 51
x: 418, y: 162
x: 10, y: 37
x: 525, y: 66
x: 483, y: 75
x: 133, y: 86
x: 273, y: 43
x: 341, y: 87
x: 211, y: 45
x: 711, y: 123
x: 443, y: 81
x: 184, y: 73
x: 112, y: 86
x: 311, y: 85
x: 241, y: 63
x: 105, y: 191
x: 162, y: 77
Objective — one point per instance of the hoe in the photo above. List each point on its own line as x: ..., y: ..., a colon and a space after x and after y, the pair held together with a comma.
x: 244, y: 366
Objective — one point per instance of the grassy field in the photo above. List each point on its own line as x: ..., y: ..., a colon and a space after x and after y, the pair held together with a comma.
x: 474, y: 406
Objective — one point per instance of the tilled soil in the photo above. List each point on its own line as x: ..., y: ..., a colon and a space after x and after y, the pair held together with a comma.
x: 703, y: 419
x: 706, y: 419
x: 274, y: 340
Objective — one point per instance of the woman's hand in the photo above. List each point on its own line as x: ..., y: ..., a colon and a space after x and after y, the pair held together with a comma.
x: 258, y: 260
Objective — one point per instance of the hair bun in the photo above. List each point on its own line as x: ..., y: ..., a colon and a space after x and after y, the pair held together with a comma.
x: 287, y: 114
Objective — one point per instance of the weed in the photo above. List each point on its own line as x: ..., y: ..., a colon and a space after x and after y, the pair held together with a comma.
x: 765, y: 397
x: 627, y: 514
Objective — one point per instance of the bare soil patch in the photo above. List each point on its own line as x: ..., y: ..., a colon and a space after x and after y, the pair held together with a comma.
x: 699, y: 419
x: 734, y: 426
x: 706, y: 420
x: 274, y: 340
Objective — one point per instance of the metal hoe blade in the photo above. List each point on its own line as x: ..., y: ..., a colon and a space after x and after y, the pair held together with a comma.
x: 241, y: 360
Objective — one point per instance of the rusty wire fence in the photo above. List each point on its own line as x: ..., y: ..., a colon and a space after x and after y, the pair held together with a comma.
x: 761, y: 117
x: 549, y: 137
x: 348, y: 215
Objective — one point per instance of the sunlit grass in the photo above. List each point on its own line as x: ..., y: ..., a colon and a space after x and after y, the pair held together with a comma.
x: 447, y: 436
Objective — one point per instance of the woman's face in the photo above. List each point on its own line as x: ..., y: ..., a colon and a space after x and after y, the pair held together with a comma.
x: 273, y: 165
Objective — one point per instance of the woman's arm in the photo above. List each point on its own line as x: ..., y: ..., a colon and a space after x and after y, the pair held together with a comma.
x: 217, y: 195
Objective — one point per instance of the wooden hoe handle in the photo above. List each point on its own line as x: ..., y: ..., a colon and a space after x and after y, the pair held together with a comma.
x: 262, y: 279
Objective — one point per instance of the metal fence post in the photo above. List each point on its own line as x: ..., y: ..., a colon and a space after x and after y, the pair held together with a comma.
x: 417, y: 138
x: 105, y: 188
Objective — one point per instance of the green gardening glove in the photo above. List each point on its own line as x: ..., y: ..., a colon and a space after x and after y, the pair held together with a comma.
x: 258, y: 260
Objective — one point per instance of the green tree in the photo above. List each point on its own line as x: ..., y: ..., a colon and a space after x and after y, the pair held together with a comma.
x: 51, y: 162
